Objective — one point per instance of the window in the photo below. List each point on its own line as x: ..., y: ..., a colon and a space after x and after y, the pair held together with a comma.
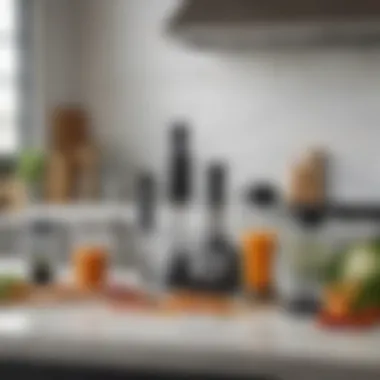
x: 9, y: 77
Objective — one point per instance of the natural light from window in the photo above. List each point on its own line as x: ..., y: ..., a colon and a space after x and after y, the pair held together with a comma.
x: 9, y: 70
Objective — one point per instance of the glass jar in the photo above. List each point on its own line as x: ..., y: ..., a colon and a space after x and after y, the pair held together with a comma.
x: 306, y: 247
x: 259, y: 248
x: 44, y: 249
x: 93, y: 249
x: 260, y: 241
x: 304, y: 255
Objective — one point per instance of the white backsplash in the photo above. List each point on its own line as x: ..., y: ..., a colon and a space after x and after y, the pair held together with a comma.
x: 258, y: 109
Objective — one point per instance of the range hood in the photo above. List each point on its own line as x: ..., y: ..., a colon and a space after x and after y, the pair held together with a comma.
x: 278, y: 21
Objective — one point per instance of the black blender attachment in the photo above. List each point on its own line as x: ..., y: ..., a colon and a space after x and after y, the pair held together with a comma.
x: 263, y: 195
x: 219, y: 258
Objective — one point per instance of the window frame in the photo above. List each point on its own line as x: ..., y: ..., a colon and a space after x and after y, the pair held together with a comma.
x: 24, y: 83
x: 26, y: 76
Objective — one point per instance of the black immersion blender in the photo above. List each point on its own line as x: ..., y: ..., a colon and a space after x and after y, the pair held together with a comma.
x: 180, y: 186
x: 146, y: 194
x: 218, y: 261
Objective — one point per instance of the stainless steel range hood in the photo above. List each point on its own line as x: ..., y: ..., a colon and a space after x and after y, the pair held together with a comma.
x: 278, y: 21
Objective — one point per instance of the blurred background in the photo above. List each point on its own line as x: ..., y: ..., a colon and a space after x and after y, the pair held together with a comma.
x: 216, y: 146
x: 258, y: 105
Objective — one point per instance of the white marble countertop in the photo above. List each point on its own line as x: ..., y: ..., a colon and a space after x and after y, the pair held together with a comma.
x: 266, y: 342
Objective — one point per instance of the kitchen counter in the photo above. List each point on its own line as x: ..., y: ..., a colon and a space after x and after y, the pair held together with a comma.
x: 265, y: 342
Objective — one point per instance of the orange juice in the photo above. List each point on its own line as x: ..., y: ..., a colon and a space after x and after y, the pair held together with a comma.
x: 258, y: 250
x: 90, y: 267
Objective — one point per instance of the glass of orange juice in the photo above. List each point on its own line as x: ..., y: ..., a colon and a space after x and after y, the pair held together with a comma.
x: 259, y: 248
x: 90, y: 267
x: 91, y: 255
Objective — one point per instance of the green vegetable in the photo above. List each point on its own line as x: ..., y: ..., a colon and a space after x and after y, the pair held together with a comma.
x: 360, y: 265
x: 375, y: 244
x: 7, y: 283
x: 333, y: 269
x: 31, y: 166
x: 369, y: 295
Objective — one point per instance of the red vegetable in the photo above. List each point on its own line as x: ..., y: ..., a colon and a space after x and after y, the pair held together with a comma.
x: 365, y: 319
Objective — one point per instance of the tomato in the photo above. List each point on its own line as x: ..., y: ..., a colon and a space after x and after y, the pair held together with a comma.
x: 365, y: 319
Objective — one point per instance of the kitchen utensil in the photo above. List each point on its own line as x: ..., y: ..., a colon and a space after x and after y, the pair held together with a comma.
x: 180, y: 189
x: 217, y: 262
x: 146, y: 229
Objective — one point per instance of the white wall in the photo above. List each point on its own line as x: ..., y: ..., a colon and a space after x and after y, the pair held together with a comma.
x: 62, y: 59
x: 56, y: 60
x: 257, y: 109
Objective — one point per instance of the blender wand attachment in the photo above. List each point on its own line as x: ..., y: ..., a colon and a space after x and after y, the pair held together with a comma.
x: 179, y: 271
x: 180, y: 185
